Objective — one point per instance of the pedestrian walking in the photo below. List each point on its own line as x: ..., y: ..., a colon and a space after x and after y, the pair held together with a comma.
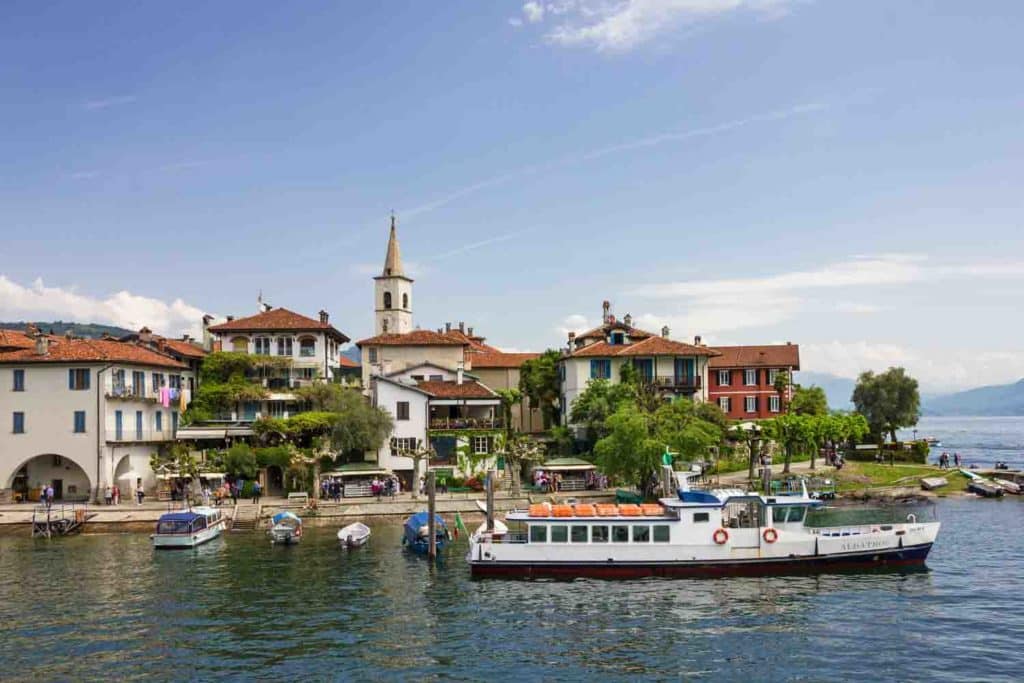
x: 140, y: 493
x: 234, y: 493
x: 48, y: 492
x: 256, y: 492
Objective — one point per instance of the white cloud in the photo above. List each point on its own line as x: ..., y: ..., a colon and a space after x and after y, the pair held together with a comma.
x: 413, y: 269
x: 107, y: 102
x: 619, y: 25
x: 124, y: 309
x: 936, y: 369
x: 572, y: 323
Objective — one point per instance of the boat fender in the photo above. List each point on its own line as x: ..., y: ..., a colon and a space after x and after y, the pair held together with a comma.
x: 770, y: 535
x: 721, y: 536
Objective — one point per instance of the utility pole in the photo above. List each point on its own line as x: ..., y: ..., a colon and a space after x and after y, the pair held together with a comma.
x: 431, y: 526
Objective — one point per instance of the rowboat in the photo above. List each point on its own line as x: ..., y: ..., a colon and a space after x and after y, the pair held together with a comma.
x: 354, y: 535
x: 1007, y: 485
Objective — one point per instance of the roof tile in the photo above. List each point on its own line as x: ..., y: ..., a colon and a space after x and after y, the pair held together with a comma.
x: 449, y: 389
x: 773, y: 356
x: 276, y: 319
x: 92, y: 351
x: 414, y: 338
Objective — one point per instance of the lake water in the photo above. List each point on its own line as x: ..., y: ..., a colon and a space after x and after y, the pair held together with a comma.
x: 979, y: 440
x: 108, y: 606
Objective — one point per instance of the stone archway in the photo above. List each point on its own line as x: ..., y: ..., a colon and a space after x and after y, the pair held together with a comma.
x: 70, y: 480
x: 274, y: 481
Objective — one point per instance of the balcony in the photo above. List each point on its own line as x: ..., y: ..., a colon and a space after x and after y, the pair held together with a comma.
x: 456, y: 423
x: 670, y: 383
x: 132, y: 436
x: 127, y: 392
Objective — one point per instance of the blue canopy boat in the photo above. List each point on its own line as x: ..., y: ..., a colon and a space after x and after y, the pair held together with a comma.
x: 415, y: 533
x: 285, y: 527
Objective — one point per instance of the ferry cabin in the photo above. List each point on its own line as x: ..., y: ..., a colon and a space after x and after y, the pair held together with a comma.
x: 700, y: 533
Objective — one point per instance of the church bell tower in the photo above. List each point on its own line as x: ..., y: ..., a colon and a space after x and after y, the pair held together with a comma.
x: 392, y: 292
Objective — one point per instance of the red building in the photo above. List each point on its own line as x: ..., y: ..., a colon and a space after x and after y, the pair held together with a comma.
x: 742, y: 380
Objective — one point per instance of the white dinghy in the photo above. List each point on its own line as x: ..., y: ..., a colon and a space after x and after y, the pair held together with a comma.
x: 354, y: 535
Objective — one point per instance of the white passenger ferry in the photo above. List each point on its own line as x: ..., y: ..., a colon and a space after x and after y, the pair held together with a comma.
x: 700, y: 533
x: 188, y: 528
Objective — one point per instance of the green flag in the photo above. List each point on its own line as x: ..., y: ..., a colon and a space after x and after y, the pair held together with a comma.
x: 460, y: 527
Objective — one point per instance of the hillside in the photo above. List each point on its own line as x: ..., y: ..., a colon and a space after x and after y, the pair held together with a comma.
x: 59, y: 327
x: 1003, y: 399
x: 837, y: 389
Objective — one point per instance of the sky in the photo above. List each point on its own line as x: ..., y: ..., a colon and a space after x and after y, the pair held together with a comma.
x: 843, y: 175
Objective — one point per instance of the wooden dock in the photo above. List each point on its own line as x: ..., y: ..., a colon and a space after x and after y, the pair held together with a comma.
x: 59, y: 520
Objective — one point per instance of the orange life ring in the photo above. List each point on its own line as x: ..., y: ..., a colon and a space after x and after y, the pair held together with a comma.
x: 770, y: 535
x: 721, y: 536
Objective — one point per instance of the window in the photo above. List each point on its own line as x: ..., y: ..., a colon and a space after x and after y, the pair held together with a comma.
x: 600, y: 369
x: 174, y: 381
x: 373, y: 354
x: 405, y: 301
x: 437, y: 378
x: 578, y: 533
x: 642, y: 534
x: 262, y: 346
x: 661, y: 533
x: 387, y: 299
x: 701, y: 517
x: 158, y: 381
x: 645, y: 368
x: 174, y: 423
x: 538, y: 533
x: 240, y: 344
x: 19, y: 423
x: 117, y: 381
x: 402, y: 444
x: 138, y: 425
x: 79, y: 421
x: 620, y: 533
x: 772, y: 375
x: 723, y: 403
x: 159, y: 417
x: 599, y: 534
x: 118, y: 425
x: 78, y: 379
x: 307, y: 347
x: 19, y: 380
x: 139, y: 383
x: 402, y: 410
x: 481, y: 445
x: 284, y: 346
x: 774, y: 405
x: 750, y: 377
x: 723, y: 378
x: 750, y: 404
x: 417, y: 378
x: 305, y: 373
x: 559, y: 533
x: 617, y: 338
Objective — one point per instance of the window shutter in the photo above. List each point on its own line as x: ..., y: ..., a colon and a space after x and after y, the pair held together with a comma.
x: 87, y: 373
x: 71, y: 378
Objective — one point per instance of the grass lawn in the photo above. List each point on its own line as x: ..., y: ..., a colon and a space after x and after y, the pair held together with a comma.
x: 860, y: 475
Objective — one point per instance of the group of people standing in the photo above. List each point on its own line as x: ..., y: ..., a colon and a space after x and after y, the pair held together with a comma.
x: 385, y: 486
x: 944, y: 460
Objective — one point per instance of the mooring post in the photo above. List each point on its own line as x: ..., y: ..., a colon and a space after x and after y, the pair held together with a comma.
x: 431, y: 526
x: 491, y: 476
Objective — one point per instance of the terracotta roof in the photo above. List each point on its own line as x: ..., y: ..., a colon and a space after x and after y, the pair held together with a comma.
x: 277, y: 319
x: 652, y: 346
x: 12, y: 339
x: 771, y: 356
x: 414, y: 338
x: 468, y: 389
x: 603, y: 331
x: 183, y: 348
x: 92, y: 351
x: 501, y: 360
x: 346, y: 362
x: 474, y: 342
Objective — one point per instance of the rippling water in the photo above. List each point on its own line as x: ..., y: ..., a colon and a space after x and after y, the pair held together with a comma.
x: 980, y: 440
x: 108, y: 606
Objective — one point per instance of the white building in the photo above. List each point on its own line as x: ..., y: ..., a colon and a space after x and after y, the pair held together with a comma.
x: 309, y: 351
x: 82, y: 414
x: 674, y: 368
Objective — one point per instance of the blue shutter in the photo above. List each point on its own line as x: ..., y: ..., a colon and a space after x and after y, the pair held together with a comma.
x: 593, y: 369
x: 118, y: 424
x: 71, y: 378
x: 138, y: 424
x: 87, y: 373
x: 159, y: 420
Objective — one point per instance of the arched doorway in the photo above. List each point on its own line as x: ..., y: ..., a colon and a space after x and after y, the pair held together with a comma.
x: 275, y: 481
x: 69, y: 481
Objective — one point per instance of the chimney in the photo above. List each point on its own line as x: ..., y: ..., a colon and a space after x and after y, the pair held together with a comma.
x: 42, y: 344
x: 462, y: 327
x: 572, y: 340
x: 628, y: 320
x: 145, y: 334
x: 664, y: 331
x: 606, y: 307
x: 230, y: 318
x: 69, y: 335
x: 696, y: 340
x: 447, y: 327
x: 324, y: 316
x: 789, y: 343
x: 469, y: 331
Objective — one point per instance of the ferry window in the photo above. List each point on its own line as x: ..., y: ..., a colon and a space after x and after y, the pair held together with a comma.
x: 699, y: 517
x: 796, y: 513
x: 642, y: 534
x: 538, y: 533
x: 559, y: 533
x: 579, y: 533
x: 598, y: 534
x: 620, y: 534
x: 661, y: 533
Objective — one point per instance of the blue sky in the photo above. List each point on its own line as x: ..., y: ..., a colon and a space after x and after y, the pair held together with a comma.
x: 845, y: 175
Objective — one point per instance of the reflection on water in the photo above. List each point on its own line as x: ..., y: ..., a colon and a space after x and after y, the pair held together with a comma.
x: 109, y: 606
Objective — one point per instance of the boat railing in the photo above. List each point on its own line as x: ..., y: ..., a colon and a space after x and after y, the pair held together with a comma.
x: 832, y: 517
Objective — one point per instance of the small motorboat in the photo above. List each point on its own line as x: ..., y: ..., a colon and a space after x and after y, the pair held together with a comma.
x: 416, y: 533
x: 188, y: 528
x: 354, y: 535
x: 285, y: 528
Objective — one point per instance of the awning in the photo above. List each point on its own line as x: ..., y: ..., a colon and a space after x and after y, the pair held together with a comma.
x: 566, y: 465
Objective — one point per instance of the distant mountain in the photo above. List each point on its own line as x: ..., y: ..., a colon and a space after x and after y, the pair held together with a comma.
x: 1002, y: 399
x: 59, y: 327
x: 838, y: 390
x: 353, y: 353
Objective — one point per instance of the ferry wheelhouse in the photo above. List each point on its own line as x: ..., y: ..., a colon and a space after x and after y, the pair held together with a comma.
x: 188, y: 528
x: 700, y: 533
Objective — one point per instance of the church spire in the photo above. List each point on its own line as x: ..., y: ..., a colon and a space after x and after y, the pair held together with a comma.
x: 393, y: 260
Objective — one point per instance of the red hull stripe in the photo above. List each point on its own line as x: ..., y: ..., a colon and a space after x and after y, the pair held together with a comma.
x: 893, y: 559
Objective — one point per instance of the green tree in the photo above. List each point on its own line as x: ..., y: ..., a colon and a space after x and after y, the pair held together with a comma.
x: 598, y: 402
x: 509, y: 398
x: 679, y: 425
x: 539, y: 381
x: 518, y: 452
x: 791, y: 432
x: 888, y: 401
x: 629, y: 452
x: 809, y: 401
x: 240, y: 461
x: 359, y: 426
x: 783, y: 381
